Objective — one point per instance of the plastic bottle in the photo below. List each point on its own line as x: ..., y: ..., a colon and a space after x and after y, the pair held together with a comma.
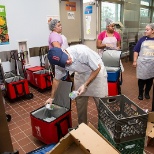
x: 73, y: 94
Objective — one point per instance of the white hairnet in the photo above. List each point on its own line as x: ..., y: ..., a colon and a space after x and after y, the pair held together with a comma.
x: 108, y: 21
x: 151, y: 25
x: 53, y: 23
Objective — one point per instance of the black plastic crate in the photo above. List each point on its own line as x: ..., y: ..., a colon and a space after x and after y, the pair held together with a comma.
x: 123, y: 119
x: 129, y: 147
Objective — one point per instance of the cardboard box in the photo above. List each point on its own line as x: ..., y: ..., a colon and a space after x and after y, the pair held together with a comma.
x: 83, y: 140
x: 150, y: 128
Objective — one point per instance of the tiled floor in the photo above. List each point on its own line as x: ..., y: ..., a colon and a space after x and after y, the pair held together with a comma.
x: 20, y: 125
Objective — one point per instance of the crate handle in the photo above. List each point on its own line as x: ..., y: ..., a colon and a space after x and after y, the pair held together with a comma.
x: 111, y: 100
x: 59, y: 129
x: 16, y: 90
x: 133, y: 122
x: 133, y: 107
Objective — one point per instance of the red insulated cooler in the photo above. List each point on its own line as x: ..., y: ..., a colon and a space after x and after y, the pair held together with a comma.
x: 43, y: 79
x: 30, y: 75
x: 16, y: 87
x: 49, y: 125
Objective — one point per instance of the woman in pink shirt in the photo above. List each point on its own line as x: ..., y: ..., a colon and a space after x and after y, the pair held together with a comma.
x: 109, y: 39
x: 55, y: 39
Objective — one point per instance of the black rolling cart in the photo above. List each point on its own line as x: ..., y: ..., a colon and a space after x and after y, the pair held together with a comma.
x: 15, y: 83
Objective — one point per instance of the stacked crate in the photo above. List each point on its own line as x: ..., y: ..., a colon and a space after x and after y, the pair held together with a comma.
x: 111, y: 59
x: 113, y: 80
x: 123, y: 124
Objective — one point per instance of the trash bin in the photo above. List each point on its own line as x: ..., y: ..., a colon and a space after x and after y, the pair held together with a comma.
x: 131, y: 53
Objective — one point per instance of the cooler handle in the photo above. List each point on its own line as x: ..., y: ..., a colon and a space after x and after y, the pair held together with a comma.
x: 48, y: 80
x: 15, y: 88
x: 60, y: 133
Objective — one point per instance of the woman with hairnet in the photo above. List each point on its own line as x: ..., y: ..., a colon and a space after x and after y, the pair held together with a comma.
x: 56, y: 39
x: 144, y: 61
x: 108, y: 39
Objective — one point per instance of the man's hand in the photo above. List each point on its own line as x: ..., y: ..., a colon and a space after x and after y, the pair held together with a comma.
x: 49, y: 101
x: 82, y: 89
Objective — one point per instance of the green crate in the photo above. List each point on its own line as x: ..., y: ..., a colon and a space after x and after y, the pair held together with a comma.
x: 129, y: 147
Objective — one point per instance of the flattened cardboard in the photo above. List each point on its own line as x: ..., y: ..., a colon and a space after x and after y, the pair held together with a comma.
x: 83, y: 140
x: 94, y: 129
x: 151, y: 117
x: 150, y: 125
x: 68, y: 144
x: 150, y: 128
x: 91, y: 140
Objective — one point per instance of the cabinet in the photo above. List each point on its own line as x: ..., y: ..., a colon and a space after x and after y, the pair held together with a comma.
x: 124, y: 42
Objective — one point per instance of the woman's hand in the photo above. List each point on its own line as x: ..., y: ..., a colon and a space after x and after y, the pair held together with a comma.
x: 110, y: 46
x: 118, y: 48
x: 134, y: 63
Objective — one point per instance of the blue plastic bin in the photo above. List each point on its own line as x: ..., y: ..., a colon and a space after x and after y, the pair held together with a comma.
x: 42, y: 150
x: 113, y: 75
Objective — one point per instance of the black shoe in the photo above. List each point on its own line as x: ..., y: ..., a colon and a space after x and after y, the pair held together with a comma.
x: 140, y: 97
x: 147, y: 96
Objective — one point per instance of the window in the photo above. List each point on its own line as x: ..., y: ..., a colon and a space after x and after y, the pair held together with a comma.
x: 110, y: 11
x: 146, y: 2
x: 153, y: 18
x: 144, y: 12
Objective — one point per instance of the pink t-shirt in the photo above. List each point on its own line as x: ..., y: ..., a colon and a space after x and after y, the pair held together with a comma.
x: 55, y: 37
x: 102, y: 35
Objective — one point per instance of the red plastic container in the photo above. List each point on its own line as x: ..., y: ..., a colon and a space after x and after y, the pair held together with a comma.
x: 50, y: 125
x: 16, y: 87
x: 43, y: 79
x: 113, y: 88
x: 30, y: 75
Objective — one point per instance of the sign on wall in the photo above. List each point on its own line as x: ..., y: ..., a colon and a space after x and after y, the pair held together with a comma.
x: 50, y: 17
x: 4, y: 37
x: 71, y: 6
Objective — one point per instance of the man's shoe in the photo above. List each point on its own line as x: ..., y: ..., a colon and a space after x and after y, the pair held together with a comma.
x: 140, y: 97
x: 147, y: 96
